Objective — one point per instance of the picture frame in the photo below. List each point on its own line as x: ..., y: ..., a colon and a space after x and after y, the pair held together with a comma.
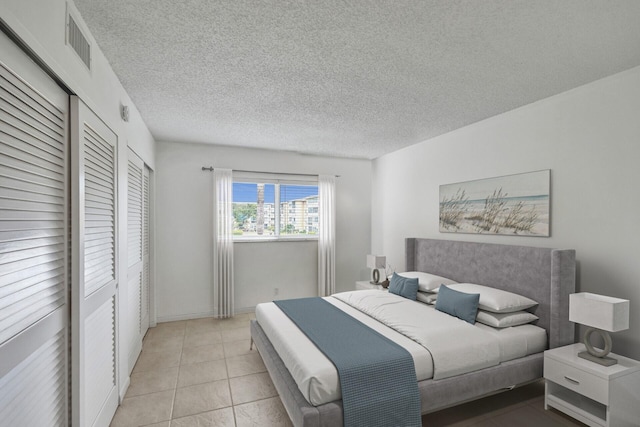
x: 515, y: 205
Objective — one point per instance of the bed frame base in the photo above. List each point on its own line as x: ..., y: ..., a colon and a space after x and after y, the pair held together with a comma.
x: 434, y: 394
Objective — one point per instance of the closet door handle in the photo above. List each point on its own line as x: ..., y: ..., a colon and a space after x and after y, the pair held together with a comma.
x: 571, y: 380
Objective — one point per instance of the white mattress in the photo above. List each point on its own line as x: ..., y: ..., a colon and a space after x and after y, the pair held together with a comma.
x: 317, y: 377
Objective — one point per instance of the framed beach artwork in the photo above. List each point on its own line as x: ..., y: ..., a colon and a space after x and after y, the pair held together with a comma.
x: 516, y: 205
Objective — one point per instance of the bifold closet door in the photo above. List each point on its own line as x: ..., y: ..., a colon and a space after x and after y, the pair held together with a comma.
x: 135, y: 218
x: 34, y: 244
x: 94, y: 373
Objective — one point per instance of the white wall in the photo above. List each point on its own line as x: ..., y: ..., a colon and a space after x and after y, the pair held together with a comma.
x: 184, y: 233
x: 41, y: 25
x: 590, y: 139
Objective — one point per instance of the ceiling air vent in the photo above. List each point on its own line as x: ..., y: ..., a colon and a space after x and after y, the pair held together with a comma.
x: 78, y: 41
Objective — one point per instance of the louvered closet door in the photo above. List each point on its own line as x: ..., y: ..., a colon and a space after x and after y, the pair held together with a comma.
x: 93, y: 159
x: 135, y: 217
x: 34, y: 244
x: 146, y: 243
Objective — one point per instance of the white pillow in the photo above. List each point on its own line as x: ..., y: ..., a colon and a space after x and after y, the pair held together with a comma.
x: 427, y: 282
x: 504, y: 320
x: 495, y: 300
x: 427, y: 298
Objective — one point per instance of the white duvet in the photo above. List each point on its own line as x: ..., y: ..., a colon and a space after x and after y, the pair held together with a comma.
x: 441, y: 345
x: 456, y: 346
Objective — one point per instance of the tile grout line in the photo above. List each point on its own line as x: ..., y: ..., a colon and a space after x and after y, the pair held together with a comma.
x: 233, y: 406
x: 226, y: 366
x: 175, y: 389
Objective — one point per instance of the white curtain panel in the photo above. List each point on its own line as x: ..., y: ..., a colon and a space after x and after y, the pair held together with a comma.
x: 223, y: 243
x: 327, y: 235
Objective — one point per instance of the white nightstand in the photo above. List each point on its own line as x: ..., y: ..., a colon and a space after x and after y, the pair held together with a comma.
x: 593, y: 394
x: 362, y: 285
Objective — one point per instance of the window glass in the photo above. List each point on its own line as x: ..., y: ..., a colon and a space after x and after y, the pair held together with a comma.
x: 298, y: 210
x: 267, y: 210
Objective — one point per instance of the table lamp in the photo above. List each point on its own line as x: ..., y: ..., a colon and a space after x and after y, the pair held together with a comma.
x: 375, y: 262
x: 602, y: 315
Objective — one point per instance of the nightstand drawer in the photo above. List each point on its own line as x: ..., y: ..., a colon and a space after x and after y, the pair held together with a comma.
x: 577, y: 380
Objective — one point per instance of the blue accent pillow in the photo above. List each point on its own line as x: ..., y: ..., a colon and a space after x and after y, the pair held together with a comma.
x: 459, y: 304
x: 404, y: 286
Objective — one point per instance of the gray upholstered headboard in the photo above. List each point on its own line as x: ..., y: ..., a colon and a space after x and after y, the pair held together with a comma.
x: 544, y: 275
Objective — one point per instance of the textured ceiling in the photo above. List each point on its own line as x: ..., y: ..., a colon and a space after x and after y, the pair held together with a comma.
x: 351, y: 78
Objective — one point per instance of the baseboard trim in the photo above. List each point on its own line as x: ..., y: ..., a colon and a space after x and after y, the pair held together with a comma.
x: 124, y: 388
x: 190, y: 316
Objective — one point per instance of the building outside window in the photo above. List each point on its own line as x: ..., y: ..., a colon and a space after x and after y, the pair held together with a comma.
x: 263, y: 210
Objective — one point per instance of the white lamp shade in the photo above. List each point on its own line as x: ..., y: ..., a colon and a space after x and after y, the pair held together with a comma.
x: 376, y: 261
x: 599, y: 311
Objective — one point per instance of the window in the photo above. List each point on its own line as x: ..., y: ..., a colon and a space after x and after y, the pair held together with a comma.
x: 264, y: 210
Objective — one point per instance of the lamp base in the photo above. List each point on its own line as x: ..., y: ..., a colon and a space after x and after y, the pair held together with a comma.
x: 376, y: 276
x: 593, y: 354
x: 604, y: 361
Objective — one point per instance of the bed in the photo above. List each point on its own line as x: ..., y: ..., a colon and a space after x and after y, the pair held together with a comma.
x: 544, y: 275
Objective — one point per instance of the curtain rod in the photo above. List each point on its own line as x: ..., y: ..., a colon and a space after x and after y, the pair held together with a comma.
x: 210, y: 169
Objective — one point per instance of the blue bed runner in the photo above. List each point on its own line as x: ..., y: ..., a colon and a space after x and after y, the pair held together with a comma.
x: 377, y: 376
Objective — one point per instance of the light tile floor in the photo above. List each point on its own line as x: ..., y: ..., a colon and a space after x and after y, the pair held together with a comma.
x: 202, y: 373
